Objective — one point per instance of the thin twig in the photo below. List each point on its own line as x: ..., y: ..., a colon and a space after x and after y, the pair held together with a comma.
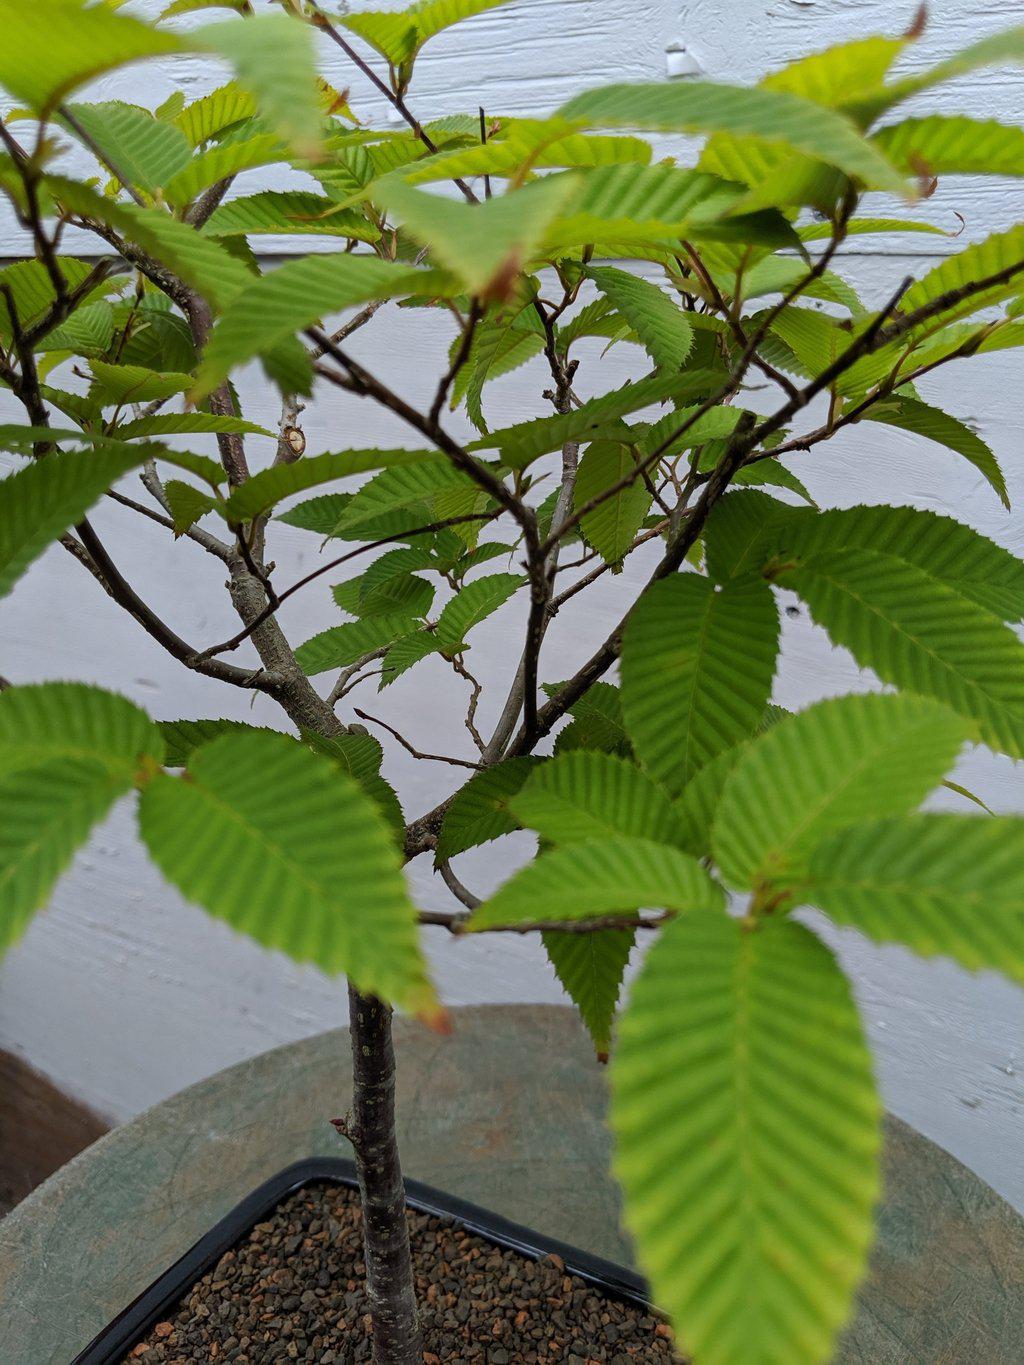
x: 416, y: 753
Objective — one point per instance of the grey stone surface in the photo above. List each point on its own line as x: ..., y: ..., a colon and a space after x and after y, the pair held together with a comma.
x: 508, y: 1112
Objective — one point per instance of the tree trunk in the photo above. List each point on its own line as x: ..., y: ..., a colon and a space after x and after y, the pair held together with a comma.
x: 396, y: 1333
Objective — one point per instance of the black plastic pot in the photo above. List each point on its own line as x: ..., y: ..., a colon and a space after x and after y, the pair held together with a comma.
x: 135, y: 1321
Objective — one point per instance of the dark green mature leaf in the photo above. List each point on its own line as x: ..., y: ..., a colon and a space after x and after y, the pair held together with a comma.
x: 39, y: 503
x: 269, y: 486
x: 183, y: 737
x: 743, y: 529
x: 772, y: 115
x: 835, y: 764
x: 748, y: 1160
x: 596, y: 723
x: 697, y: 669
x: 479, y: 811
x: 943, y: 885
x: 920, y: 635
x: 947, y: 550
x: 697, y: 804
x: 910, y: 414
x: 280, y: 844
x: 339, y: 646
x: 520, y: 445
x: 596, y: 878
x: 661, y: 325
x: 591, y: 967
x: 584, y: 795
x: 612, y: 526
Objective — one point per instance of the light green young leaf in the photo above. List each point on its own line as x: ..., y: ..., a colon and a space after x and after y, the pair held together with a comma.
x: 479, y: 811
x: 404, y: 488
x: 46, y: 814
x: 597, y: 878
x: 748, y: 1160
x: 186, y: 423
x: 223, y: 108
x: 269, y: 486
x: 944, y: 144
x: 1001, y: 252
x: 919, y: 635
x: 288, y: 211
x: 484, y: 245
x: 661, y: 325
x: 274, y: 58
x: 942, y: 885
x: 697, y: 669
x: 776, y: 116
x: 612, y: 526
x: 116, y: 385
x: 586, y: 795
x: 837, y: 763
x: 51, y: 47
x: 596, y: 723
x: 222, y: 161
x: 590, y: 968
x: 279, y: 843
x: 67, y: 752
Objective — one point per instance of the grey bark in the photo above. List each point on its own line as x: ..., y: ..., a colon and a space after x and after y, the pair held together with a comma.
x: 389, y: 1282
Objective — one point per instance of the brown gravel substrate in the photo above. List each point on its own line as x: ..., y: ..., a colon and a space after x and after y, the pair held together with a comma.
x: 293, y: 1290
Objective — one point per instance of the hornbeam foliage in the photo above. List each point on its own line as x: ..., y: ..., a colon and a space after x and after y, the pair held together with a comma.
x: 656, y: 794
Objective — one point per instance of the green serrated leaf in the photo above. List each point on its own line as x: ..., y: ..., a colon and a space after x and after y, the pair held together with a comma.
x: 661, y: 325
x: 919, y: 635
x: 591, y: 968
x: 697, y: 669
x: 479, y: 811
x: 910, y: 414
x: 585, y: 795
x: 473, y: 604
x: 942, y: 885
x: 339, y: 646
x: 748, y: 1160
x: 277, y: 842
x: 613, y: 525
x: 837, y: 763
x: 597, y: 878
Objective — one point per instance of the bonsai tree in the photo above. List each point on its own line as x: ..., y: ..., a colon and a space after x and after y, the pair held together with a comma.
x: 673, y: 802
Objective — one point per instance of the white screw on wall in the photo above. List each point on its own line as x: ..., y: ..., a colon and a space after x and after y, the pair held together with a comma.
x: 680, y: 62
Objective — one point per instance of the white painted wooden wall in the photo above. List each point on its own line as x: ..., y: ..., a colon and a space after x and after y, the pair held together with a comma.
x: 123, y: 993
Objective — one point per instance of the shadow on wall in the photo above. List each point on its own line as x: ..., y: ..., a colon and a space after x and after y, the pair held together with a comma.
x: 40, y: 1129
